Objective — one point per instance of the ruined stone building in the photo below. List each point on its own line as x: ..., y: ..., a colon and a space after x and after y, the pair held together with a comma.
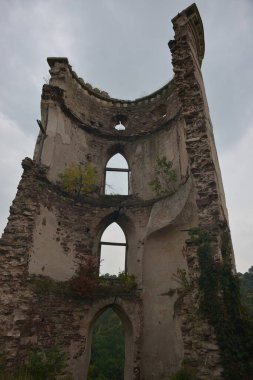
x: 52, y: 233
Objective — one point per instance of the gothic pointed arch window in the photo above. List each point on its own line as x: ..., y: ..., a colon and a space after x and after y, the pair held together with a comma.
x: 113, y: 250
x: 117, y: 176
x: 108, y: 341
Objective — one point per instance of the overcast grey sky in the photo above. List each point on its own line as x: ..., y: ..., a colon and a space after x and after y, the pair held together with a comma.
x: 121, y: 47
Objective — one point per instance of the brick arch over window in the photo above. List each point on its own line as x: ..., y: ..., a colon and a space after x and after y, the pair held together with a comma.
x: 117, y: 176
x: 113, y: 247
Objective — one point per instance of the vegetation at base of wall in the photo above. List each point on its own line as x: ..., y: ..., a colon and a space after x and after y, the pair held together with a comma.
x: 40, y: 365
x: 184, y: 374
x: 246, y: 281
x: 107, y: 349
x: 221, y: 304
x: 165, y: 177
x: 18, y: 375
x: 79, y: 179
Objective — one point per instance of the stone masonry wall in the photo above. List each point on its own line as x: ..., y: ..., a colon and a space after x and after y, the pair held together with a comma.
x: 56, y: 238
x: 187, y: 50
x: 33, y: 317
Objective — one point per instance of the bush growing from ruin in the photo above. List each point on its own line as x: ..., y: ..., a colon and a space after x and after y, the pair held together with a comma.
x: 87, y: 282
x: 45, y: 285
x: 79, y: 179
x: 165, y: 177
x: 41, y: 365
x: 46, y: 364
x: 184, y: 374
x: 182, y: 279
x: 128, y: 281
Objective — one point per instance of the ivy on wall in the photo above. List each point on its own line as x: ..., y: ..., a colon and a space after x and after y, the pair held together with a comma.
x: 221, y: 305
x: 41, y: 364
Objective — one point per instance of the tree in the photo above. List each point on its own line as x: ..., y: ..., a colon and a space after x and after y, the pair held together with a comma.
x: 107, y: 350
x: 79, y: 179
x: 246, y: 281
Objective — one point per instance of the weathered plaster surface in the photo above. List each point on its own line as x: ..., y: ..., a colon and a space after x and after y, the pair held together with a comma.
x: 52, y: 252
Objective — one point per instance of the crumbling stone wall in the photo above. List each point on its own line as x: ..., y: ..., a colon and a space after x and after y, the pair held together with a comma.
x: 50, y: 233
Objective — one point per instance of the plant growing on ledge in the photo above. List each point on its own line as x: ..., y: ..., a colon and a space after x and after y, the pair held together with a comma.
x: 165, y: 177
x: 123, y: 282
x: 79, y: 179
x: 40, y: 365
x: 87, y: 282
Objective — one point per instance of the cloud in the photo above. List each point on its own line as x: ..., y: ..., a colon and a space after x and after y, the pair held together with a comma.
x: 236, y: 166
x: 227, y: 68
x: 30, y: 31
x: 14, y: 146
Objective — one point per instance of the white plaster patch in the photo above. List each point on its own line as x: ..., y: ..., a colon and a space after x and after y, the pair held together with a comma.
x: 48, y: 257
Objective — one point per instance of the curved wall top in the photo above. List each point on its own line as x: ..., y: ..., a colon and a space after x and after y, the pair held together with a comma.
x: 97, y: 111
x: 101, y: 113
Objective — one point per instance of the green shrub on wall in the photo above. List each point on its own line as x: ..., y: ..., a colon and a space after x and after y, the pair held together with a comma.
x: 165, y: 177
x: 85, y: 284
x: 41, y: 365
x: 79, y: 179
x: 184, y: 374
x: 88, y: 283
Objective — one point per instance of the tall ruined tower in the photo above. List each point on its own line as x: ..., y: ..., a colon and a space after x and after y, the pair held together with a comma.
x: 51, y: 233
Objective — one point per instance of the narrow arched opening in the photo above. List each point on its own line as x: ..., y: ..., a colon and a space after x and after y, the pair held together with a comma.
x: 117, y: 176
x: 113, y: 251
x: 107, y: 316
x: 120, y: 126
x: 107, y: 347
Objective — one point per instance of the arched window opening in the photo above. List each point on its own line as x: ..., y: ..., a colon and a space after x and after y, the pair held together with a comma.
x: 107, y: 348
x: 117, y: 176
x: 120, y: 126
x: 112, y: 251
